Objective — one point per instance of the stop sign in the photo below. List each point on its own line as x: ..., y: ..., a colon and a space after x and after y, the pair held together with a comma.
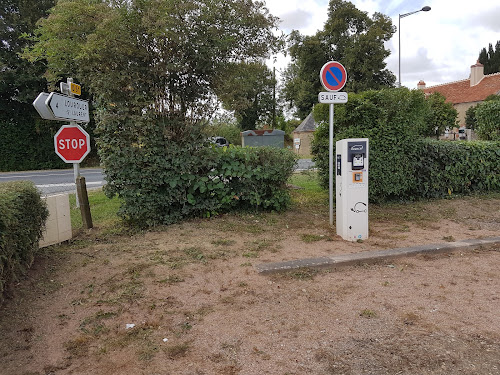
x: 72, y: 143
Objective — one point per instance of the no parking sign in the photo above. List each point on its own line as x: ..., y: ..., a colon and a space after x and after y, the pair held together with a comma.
x: 333, y: 76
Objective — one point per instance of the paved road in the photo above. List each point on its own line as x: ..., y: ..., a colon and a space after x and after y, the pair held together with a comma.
x: 62, y: 180
x: 304, y: 164
x: 57, y: 181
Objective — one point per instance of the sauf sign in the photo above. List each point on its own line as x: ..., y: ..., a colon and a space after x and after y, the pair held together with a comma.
x: 72, y: 143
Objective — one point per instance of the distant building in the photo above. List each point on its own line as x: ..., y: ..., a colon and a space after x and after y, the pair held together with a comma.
x: 303, y: 135
x: 468, y: 92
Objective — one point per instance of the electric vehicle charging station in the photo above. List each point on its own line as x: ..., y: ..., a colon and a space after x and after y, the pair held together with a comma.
x: 351, y: 185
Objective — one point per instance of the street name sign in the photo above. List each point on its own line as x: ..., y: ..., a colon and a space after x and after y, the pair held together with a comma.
x: 332, y: 97
x: 64, y: 107
x: 72, y: 143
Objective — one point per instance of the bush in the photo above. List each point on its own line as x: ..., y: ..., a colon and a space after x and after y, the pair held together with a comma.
x: 393, y: 120
x: 193, y: 181
x: 22, y: 219
x: 445, y: 168
x: 226, y: 127
x: 488, y: 120
x: 404, y: 165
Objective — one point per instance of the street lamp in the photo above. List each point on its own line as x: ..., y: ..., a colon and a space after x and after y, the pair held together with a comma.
x: 424, y: 9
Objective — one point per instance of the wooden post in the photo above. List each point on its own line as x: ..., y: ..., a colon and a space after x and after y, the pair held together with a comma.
x: 81, y: 191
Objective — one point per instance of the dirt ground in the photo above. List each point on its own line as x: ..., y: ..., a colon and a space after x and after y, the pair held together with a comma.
x: 187, y: 300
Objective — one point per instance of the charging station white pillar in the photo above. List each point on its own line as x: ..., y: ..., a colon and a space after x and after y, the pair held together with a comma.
x: 351, y: 185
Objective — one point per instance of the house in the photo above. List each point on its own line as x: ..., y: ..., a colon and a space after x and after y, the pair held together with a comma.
x: 303, y: 135
x: 468, y: 92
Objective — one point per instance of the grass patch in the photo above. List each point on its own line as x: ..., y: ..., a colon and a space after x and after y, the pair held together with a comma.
x: 177, y: 351
x: 311, y: 238
x: 311, y: 193
x: 222, y: 242
x: 103, y: 210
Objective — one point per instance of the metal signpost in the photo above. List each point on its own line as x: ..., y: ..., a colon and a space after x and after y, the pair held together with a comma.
x: 71, y: 142
x: 333, y: 77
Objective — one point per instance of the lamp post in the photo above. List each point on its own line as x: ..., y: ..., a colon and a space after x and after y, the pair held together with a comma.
x: 424, y: 9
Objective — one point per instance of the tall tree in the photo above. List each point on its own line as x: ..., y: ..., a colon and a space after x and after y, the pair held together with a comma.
x: 490, y: 58
x: 152, y: 67
x: 248, y: 91
x: 20, y: 80
x: 349, y: 36
x: 26, y: 141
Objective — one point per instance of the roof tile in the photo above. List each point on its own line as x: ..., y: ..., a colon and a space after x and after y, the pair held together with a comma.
x: 462, y: 92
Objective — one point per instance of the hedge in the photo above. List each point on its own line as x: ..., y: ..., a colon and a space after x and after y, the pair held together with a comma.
x: 196, y: 181
x: 446, y: 168
x: 403, y: 164
x: 22, y: 219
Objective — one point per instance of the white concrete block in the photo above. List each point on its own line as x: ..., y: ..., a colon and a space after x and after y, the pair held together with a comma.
x: 58, y: 225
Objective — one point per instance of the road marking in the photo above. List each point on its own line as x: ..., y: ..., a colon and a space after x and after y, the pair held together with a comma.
x: 69, y: 173
x: 69, y: 184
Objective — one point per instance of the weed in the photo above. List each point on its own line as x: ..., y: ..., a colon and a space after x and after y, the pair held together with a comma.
x: 223, y: 242
x: 178, y: 350
x: 410, y: 318
x: 449, y: 238
x: 312, y: 237
x: 195, y: 253
x: 369, y: 314
x: 171, y: 279
x: 78, y: 346
x: 299, y: 274
x: 246, y: 264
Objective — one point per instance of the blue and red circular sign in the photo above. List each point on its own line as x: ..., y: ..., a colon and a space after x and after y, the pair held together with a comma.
x: 333, y: 76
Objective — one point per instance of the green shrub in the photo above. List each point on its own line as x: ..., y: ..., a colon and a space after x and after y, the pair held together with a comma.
x: 226, y: 127
x: 445, y: 168
x: 22, y: 219
x: 393, y: 120
x: 404, y: 165
x: 164, y: 185
x: 488, y: 120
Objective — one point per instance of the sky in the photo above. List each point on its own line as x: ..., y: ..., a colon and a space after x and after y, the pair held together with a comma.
x: 438, y: 46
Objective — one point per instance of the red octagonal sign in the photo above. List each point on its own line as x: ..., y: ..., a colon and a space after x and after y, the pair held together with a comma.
x: 72, y: 143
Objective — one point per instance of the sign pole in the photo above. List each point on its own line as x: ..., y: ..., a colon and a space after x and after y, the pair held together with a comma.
x: 333, y: 77
x: 65, y: 89
x: 331, y: 163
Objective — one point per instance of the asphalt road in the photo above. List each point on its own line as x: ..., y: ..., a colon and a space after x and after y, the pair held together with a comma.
x: 57, y: 181
x: 51, y: 182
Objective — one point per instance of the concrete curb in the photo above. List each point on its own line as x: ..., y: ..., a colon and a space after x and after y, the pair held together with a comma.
x: 373, y: 256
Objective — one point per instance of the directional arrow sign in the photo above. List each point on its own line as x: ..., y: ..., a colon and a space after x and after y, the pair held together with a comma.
x: 42, y: 108
x: 332, y: 97
x: 64, y: 107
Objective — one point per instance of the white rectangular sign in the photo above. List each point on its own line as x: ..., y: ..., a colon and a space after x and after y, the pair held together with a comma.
x: 332, y: 97
x: 42, y: 108
x: 67, y: 108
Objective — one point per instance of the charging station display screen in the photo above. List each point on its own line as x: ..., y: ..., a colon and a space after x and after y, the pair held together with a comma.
x: 357, y: 161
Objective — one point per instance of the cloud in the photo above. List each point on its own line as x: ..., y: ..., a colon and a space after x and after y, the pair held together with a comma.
x: 295, y: 20
x: 490, y: 20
